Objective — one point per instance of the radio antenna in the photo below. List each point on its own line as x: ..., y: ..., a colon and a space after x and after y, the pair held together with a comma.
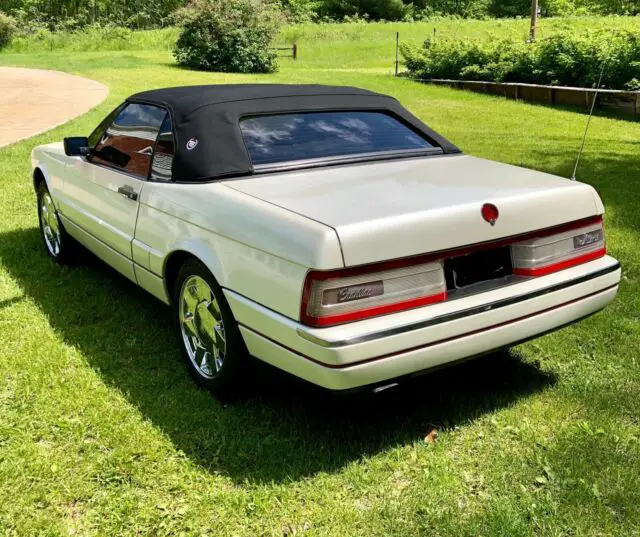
x: 593, y: 105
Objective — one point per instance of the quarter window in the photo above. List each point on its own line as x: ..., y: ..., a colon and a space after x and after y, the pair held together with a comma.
x: 95, y: 136
x: 319, y: 135
x: 127, y: 143
x: 163, y: 155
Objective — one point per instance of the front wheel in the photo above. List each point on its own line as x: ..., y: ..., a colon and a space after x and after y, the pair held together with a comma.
x: 212, y: 346
x: 57, y: 241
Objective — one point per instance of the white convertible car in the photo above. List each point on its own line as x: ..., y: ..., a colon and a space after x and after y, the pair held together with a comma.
x: 324, y: 230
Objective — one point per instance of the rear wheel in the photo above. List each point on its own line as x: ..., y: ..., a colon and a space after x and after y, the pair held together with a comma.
x: 212, y: 346
x: 57, y: 242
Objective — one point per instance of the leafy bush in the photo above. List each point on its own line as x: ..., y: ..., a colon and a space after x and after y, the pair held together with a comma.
x: 7, y: 29
x: 611, y: 7
x: 300, y: 10
x: 228, y: 35
x: 563, y: 59
x: 558, y: 8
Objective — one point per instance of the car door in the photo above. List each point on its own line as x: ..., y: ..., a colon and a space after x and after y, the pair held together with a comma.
x: 102, y: 191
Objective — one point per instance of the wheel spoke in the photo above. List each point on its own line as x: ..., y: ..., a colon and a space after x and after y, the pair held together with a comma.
x: 205, y: 359
x: 218, y: 359
x: 218, y: 334
x: 49, y: 207
x: 189, y: 325
x: 214, y: 308
x: 201, y: 291
x: 190, y: 300
x: 53, y: 224
x: 46, y: 217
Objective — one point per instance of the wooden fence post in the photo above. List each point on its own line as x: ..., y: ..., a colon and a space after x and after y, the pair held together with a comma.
x: 295, y: 51
x: 397, y: 47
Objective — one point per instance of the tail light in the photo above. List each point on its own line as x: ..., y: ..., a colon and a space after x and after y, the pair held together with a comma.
x: 576, y: 243
x: 345, y: 295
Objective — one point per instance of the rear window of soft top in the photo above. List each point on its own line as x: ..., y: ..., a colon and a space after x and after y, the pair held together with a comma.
x: 283, y: 138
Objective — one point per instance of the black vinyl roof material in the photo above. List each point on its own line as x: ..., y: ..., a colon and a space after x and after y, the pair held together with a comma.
x: 206, y: 120
x: 188, y: 98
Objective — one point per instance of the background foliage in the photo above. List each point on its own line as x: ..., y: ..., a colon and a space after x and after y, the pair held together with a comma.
x: 566, y: 58
x: 70, y: 14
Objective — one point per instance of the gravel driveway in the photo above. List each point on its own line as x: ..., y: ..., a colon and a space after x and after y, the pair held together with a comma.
x: 33, y: 101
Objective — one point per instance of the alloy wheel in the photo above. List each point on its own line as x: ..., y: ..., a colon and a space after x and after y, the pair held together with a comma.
x: 202, y: 327
x: 50, y: 224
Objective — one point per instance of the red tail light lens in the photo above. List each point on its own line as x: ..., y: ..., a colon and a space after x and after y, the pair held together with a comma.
x: 552, y: 252
x: 346, y: 295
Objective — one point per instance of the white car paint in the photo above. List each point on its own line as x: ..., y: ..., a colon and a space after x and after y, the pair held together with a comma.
x: 261, y: 235
x: 388, y: 210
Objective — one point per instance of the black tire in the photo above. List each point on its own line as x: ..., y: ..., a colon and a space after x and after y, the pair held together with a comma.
x: 226, y: 381
x: 61, y: 249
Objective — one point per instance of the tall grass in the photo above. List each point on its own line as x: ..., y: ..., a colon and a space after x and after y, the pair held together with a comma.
x: 331, y: 41
x: 372, y: 45
x: 95, y: 38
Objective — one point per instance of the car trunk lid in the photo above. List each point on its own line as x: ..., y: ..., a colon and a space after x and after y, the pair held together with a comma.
x: 401, y: 208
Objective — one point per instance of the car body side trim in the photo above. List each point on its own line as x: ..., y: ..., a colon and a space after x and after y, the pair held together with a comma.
x: 433, y: 343
x: 456, y: 314
x: 150, y: 280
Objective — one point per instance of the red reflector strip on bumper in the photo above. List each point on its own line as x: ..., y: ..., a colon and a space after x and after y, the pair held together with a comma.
x: 554, y: 267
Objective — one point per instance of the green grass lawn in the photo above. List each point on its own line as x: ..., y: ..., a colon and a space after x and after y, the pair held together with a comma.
x: 103, y: 433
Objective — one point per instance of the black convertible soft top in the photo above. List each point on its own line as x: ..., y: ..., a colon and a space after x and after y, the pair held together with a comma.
x: 211, y: 116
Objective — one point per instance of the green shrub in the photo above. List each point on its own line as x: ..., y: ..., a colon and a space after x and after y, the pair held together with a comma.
x: 228, y: 36
x: 298, y: 11
x: 611, y: 7
x: 7, y: 29
x: 565, y: 59
x: 558, y: 8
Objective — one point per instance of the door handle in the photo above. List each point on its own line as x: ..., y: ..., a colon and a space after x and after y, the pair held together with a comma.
x: 128, y: 192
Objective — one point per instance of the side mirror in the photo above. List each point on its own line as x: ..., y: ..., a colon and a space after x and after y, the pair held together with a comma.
x: 76, y: 146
